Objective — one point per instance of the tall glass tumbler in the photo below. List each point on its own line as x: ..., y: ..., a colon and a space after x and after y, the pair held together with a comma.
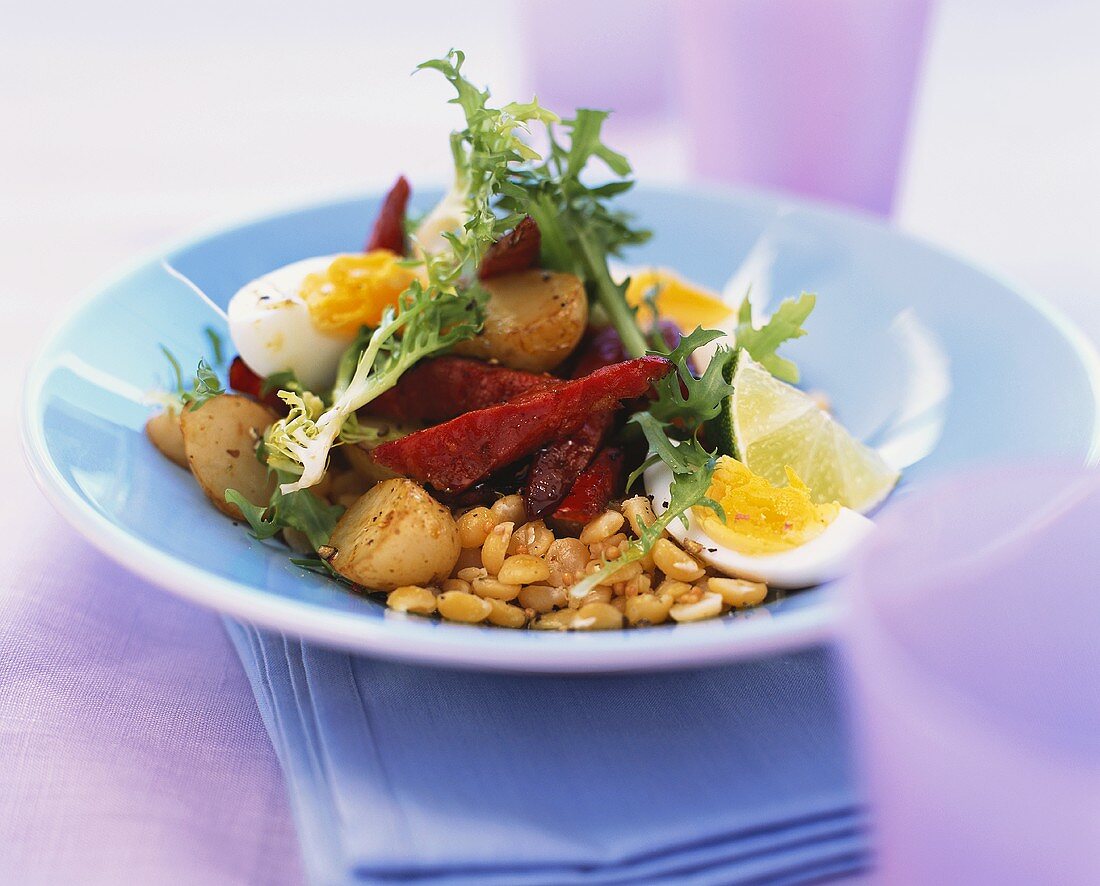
x: 971, y: 640
x: 610, y: 55
x: 806, y: 96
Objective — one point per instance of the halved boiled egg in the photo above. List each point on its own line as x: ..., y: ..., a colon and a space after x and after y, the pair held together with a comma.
x: 302, y: 317
x: 680, y: 300
x: 776, y: 535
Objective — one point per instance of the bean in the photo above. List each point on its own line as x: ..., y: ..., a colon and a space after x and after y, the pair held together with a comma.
x: 601, y: 527
x: 510, y: 508
x: 472, y: 572
x: 597, y: 617
x: 567, y: 558
x: 505, y: 615
x: 599, y: 594
x: 558, y: 620
x: 411, y: 598
x: 647, y: 609
x: 495, y: 548
x: 531, y: 538
x: 541, y: 598
x: 460, y: 606
x: 498, y: 590
x: 676, y: 563
x: 708, y: 607
x: 474, y: 527
x: 738, y: 592
x: 673, y: 589
x: 523, y: 569
x: 639, y: 513
x: 614, y: 574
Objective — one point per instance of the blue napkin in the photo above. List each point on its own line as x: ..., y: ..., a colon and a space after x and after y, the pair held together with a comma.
x: 399, y: 772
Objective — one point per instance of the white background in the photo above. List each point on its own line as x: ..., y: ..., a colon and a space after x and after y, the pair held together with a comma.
x: 126, y: 124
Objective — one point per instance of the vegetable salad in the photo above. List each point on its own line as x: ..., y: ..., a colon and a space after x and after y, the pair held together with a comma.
x: 481, y: 419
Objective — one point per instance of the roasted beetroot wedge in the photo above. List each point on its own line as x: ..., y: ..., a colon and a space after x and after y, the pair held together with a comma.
x: 243, y: 380
x: 597, y: 485
x: 456, y: 454
x: 389, y: 227
x: 517, y: 250
x: 556, y: 467
x: 442, y: 388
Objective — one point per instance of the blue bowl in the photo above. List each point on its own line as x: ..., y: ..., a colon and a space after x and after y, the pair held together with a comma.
x: 1023, y: 386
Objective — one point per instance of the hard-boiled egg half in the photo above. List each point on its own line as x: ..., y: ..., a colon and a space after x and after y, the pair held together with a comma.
x: 303, y: 316
x: 776, y: 535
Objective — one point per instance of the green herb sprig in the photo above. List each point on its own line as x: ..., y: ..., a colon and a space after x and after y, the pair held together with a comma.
x: 301, y: 510
x: 203, y: 387
x: 785, y: 324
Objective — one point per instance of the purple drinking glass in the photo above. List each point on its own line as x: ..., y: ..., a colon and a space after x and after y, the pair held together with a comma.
x: 611, y: 55
x: 971, y: 642
x: 804, y: 96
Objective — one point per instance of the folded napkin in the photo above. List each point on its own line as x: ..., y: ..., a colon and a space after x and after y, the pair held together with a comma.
x: 399, y: 772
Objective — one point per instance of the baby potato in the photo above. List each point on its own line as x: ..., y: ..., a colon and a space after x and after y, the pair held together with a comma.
x: 533, y: 320
x: 164, y: 432
x: 220, y: 441
x: 395, y: 534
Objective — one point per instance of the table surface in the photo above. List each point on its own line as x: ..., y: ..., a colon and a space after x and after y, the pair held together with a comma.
x: 129, y: 741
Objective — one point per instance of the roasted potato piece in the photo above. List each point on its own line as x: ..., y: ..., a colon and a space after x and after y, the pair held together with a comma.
x: 533, y: 320
x: 220, y: 441
x: 164, y: 432
x: 395, y: 535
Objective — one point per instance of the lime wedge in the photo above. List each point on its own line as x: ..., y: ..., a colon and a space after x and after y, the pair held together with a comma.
x: 775, y: 425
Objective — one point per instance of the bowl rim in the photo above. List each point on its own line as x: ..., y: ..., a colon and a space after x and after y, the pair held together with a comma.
x: 458, y: 645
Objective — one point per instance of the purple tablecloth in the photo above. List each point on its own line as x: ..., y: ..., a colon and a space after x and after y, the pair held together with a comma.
x: 131, y: 749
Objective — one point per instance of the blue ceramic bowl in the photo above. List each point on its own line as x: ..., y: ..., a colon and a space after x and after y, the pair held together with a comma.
x: 1023, y: 385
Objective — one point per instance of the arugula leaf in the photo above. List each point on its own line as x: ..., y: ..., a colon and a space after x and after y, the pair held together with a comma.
x: 681, y: 398
x: 204, y: 385
x: 207, y: 386
x: 301, y: 510
x: 785, y: 324
x: 263, y: 527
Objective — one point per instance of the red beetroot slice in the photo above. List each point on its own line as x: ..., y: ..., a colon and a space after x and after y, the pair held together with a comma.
x: 458, y: 453
x: 600, y: 482
x: 556, y: 467
x: 443, y: 388
x: 389, y: 227
x: 601, y: 347
x: 245, y: 381
x: 516, y: 251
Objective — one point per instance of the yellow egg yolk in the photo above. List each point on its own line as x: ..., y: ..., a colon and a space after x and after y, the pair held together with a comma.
x: 761, y: 518
x: 354, y: 290
x: 686, y: 303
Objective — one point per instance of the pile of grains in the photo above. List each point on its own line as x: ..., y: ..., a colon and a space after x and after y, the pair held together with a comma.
x: 516, y: 573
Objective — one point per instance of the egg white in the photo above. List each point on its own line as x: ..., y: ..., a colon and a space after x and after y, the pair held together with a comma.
x: 271, y: 328
x: 822, y: 559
